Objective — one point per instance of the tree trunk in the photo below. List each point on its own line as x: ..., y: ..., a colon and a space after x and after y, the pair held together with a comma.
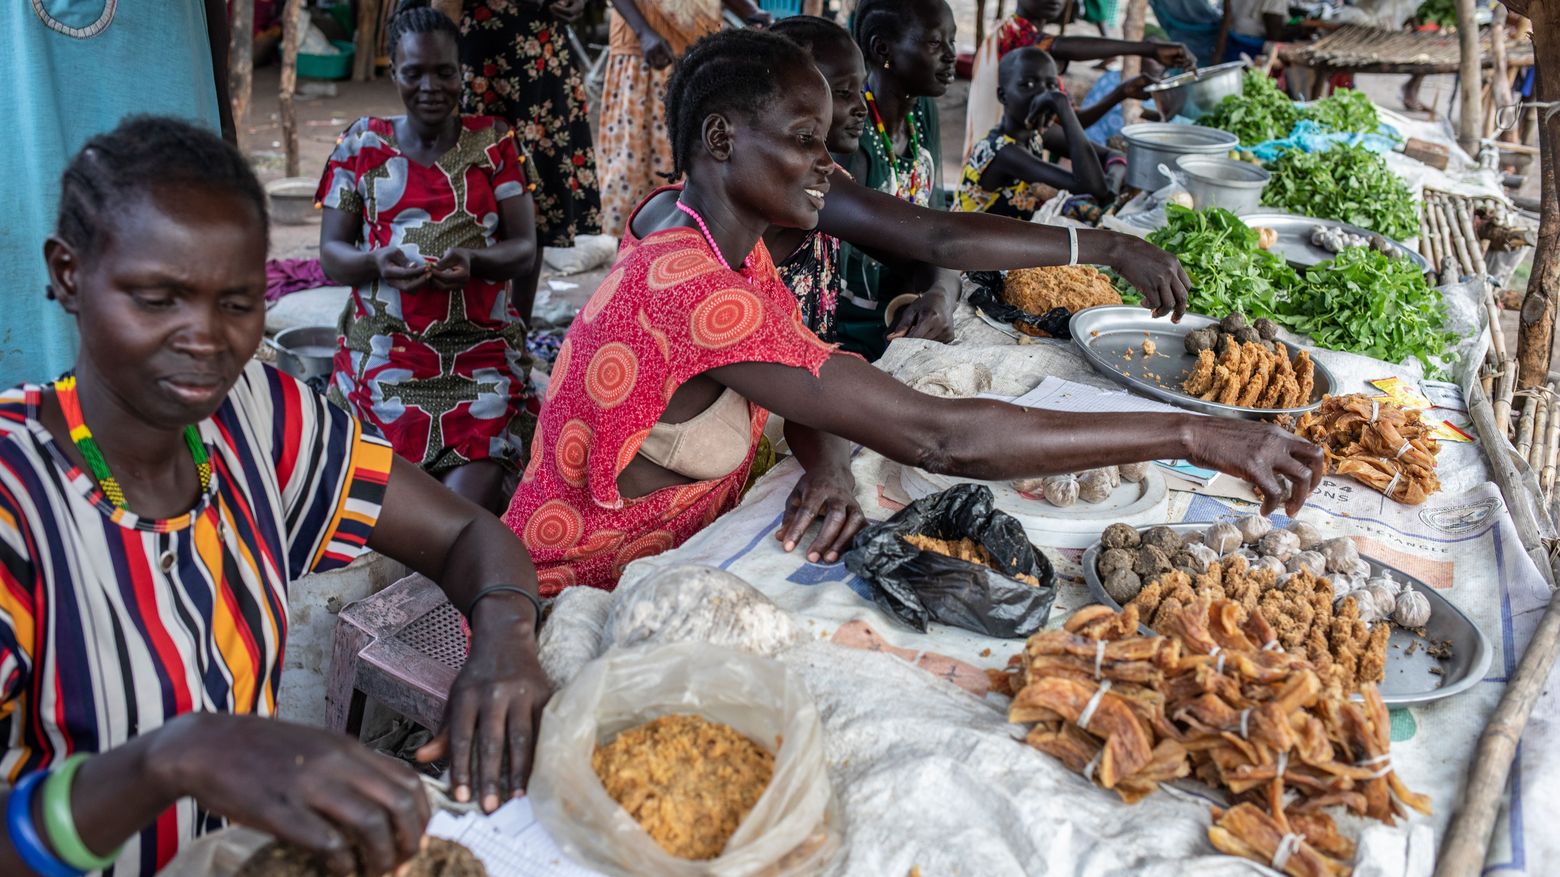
x: 1470, y: 115
x: 1132, y: 65
x: 292, y: 27
x: 241, y: 63
x: 1500, y: 73
x: 1536, y: 330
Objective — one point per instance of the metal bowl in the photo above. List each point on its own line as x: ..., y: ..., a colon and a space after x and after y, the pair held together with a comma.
x: 1150, y: 144
x: 292, y: 200
x: 305, y: 352
x: 1214, y: 181
x: 1410, y: 679
x: 1195, y: 93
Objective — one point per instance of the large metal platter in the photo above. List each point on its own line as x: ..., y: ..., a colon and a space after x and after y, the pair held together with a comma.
x: 1409, y: 680
x: 1104, y: 334
x: 1294, y: 238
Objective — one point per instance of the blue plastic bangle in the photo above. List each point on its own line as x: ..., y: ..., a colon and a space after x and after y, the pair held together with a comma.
x: 24, y: 832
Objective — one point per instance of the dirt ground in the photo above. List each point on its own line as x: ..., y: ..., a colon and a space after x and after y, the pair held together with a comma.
x: 323, y: 116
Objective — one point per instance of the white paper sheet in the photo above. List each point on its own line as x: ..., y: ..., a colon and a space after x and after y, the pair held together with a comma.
x: 510, y: 842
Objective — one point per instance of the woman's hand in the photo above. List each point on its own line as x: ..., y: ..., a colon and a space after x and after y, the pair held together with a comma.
x: 1158, y: 275
x: 1262, y: 454
x: 567, y: 10
x: 930, y: 317
x: 1136, y: 88
x: 454, y: 270
x: 495, y: 705
x: 325, y: 793
x: 1048, y: 107
x: 658, y: 54
x: 397, y: 271
x: 829, y: 493
x: 1174, y: 55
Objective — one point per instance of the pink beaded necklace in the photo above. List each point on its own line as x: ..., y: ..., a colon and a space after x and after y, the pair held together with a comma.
x: 707, y: 236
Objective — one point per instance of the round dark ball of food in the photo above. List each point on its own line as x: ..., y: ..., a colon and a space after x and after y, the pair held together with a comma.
x: 1248, y: 336
x: 1266, y: 328
x: 1200, y: 340
x: 1116, y: 558
x: 1122, y: 585
x: 1151, y: 562
x: 1119, y: 536
x: 1165, y: 539
x: 1233, y: 323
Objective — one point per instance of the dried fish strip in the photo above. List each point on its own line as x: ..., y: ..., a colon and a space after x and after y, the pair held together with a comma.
x: 1380, y: 444
x: 1249, y: 375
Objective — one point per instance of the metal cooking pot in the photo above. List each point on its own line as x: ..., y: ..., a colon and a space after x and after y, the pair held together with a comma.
x: 1195, y: 93
x: 1213, y: 181
x: 1151, y: 144
x: 305, y: 352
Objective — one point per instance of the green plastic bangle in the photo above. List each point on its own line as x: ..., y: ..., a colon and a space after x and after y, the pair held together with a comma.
x: 59, y: 821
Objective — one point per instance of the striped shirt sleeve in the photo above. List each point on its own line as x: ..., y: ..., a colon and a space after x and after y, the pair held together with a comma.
x: 331, y: 474
x: 17, y: 579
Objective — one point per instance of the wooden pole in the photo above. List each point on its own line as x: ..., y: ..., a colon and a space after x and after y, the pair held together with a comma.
x: 292, y: 34
x: 1132, y: 65
x: 241, y: 63
x: 366, y: 42
x: 1469, y: 115
x: 1536, y: 326
x: 1500, y: 74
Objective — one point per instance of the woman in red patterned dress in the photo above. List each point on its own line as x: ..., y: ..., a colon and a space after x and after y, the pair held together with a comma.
x: 665, y: 380
x: 429, y: 217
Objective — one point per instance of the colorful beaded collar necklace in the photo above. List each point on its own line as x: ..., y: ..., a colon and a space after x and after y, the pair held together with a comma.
x: 70, y: 404
x: 888, y: 146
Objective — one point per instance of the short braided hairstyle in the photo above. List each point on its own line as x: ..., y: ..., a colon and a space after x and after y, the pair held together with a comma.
x: 730, y: 71
x: 881, y: 18
x: 144, y: 153
x: 416, y: 16
x: 811, y: 32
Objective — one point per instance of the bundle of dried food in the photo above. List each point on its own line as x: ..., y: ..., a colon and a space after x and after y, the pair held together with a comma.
x: 1207, y: 700
x: 1382, y: 445
x: 1071, y: 287
x: 1249, y: 375
x: 438, y: 858
x: 686, y: 780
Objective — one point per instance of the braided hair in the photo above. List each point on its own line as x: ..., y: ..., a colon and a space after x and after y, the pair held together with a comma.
x: 880, y: 18
x: 810, y: 32
x: 416, y: 16
x: 730, y: 71
x: 143, y: 153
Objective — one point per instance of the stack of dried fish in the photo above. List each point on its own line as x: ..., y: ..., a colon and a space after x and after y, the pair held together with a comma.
x: 1380, y: 444
x: 1208, y: 700
x: 1251, y: 376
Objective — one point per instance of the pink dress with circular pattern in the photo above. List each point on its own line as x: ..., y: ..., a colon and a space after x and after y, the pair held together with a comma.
x: 668, y: 311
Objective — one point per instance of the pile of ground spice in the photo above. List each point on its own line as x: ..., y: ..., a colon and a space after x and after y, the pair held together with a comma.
x: 439, y: 858
x: 967, y: 550
x: 687, y: 781
x: 1039, y: 290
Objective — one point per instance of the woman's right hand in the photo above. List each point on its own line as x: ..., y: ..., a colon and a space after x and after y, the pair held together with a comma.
x: 1048, y: 107
x: 658, y: 53
x: 325, y: 793
x: 397, y: 271
x: 1155, y: 273
x: 1261, y: 454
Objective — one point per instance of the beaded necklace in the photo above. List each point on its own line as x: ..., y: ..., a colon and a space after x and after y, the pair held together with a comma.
x: 70, y: 405
x: 707, y: 236
x: 888, y: 149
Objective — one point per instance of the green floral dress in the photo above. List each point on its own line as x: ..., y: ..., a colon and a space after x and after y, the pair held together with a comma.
x: 518, y: 65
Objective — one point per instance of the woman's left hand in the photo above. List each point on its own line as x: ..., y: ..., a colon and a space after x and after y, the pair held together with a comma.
x: 829, y: 494
x: 494, y: 707
x: 930, y: 316
x: 454, y: 270
x: 567, y: 10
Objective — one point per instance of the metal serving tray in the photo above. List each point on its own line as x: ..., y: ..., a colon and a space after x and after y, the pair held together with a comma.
x: 1294, y: 238
x: 1409, y: 680
x: 1104, y: 334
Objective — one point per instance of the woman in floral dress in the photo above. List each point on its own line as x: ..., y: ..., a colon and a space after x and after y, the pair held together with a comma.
x: 518, y: 65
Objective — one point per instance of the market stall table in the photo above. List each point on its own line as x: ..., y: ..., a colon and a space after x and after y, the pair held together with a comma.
x: 1360, y: 49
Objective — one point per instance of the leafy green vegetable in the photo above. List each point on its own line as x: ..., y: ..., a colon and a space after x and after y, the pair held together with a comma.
x: 1362, y: 301
x: 1442, y: 13
x: 1259, y: 113
x: 1366, y: 302
x: 1229, y: 272
x: 1345, y: 110
x: 1346, y: 183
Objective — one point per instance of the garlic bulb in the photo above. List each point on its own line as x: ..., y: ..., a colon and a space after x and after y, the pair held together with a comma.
x: 1412, y: 609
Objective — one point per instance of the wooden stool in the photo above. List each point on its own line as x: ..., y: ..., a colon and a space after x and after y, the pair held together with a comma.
x: 403, y: 647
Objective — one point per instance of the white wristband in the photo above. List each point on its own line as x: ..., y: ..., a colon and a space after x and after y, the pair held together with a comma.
x: 1072, y: 245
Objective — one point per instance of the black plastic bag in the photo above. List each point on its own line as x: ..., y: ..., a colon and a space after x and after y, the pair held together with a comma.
x: 987, y: 296
x: 918, y: 586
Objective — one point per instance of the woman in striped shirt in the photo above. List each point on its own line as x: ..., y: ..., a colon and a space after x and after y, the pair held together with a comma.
x: 154, y: 506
